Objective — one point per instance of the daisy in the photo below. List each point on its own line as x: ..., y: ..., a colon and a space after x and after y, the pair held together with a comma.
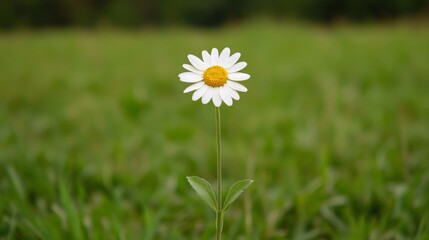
x: 215, y: 77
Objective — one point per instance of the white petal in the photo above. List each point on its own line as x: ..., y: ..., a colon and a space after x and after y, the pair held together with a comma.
x: 194, y: 87
x: 238, y: 76
x: 217, y: 101
x: 225, y: 96
x: 192, y: 69
x: 208, y: 95
x: 190, y: 77
x: 199, y: 93
x: 207, y: 58
x: 224, y: 55
x: 231, y: 92
x: 232, y: 60
x: 215, y: 56
x: 236, y: 86
x: 196, y: 62
x: 237, y: 67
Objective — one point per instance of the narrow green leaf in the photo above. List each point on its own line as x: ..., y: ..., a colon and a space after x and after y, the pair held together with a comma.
x: 235, y: 191
x: 16, y: 182
x: 204, y: 190
x: 74, y: 219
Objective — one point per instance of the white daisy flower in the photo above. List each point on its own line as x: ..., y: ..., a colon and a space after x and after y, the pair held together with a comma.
x: 215, y: 77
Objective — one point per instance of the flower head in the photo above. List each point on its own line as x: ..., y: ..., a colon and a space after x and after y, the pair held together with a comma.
x: 215, y: 77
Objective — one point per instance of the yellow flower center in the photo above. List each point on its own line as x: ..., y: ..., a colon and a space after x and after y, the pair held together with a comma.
x: 215, y: 76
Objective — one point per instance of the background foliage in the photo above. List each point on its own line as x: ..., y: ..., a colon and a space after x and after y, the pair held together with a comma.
x: 43, y: 13
x: 96, y: 137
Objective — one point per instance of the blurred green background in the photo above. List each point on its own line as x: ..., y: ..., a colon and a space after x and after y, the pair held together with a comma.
x: 96, y: 136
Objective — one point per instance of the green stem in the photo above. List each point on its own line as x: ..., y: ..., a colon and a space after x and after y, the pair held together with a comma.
x: 219, y: 212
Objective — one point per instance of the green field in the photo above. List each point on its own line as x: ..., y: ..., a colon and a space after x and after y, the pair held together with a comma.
x: 97, y: 138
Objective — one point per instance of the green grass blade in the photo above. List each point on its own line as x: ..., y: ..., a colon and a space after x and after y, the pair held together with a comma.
x: 73, y: 219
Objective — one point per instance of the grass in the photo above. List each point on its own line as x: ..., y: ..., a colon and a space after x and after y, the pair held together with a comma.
x: 96, y: 137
